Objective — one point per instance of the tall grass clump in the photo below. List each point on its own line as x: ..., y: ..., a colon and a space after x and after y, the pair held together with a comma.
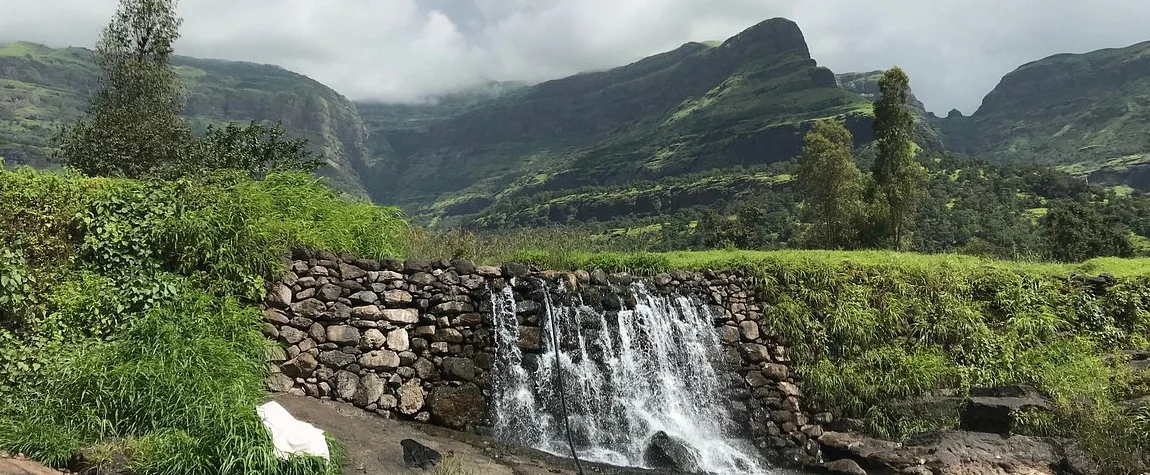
x: 136, y: 326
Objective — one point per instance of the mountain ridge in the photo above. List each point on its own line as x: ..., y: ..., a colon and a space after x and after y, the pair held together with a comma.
x: 704, y: 108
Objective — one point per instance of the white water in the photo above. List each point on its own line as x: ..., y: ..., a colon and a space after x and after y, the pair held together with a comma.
x: 625, y: 378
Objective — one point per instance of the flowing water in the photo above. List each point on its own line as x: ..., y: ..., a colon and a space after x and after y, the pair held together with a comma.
x: 627, y: 375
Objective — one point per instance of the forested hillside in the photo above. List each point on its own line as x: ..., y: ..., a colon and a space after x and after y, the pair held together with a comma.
x: 43, y: 88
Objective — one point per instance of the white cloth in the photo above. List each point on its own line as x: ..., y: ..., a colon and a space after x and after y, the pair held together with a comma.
x: 291, y: 435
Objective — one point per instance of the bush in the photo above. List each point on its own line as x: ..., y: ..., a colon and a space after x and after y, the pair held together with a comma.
x: 143, y: 329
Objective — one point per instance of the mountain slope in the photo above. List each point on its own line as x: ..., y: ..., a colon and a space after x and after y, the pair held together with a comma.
x: 699, y: 107
x: 42, y: 88
x: 1085, y: 113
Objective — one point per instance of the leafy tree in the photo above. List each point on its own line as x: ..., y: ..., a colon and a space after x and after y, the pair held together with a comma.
x: 899, y: 177
x: 135, y: 129
x: 831, y: 184
x: 257, y: 148
x: 1078, y: 232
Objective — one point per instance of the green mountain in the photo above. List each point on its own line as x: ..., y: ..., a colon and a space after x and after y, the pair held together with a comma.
x: 42, y: 88
x: 698, y: 108
x: 1088, y: 114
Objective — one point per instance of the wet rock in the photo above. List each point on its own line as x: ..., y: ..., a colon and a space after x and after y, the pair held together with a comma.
x: 452, y: 308
x: 844, y: 467
x: 457, y: 407
x: 461, y: 369
x: 756, y: 353
x: 667, y: 452
x: 514, y: 269
x: 449, y: 335
x: 530, y: 339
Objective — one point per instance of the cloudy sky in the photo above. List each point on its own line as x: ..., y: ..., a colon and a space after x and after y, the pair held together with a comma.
x: 398, y: 50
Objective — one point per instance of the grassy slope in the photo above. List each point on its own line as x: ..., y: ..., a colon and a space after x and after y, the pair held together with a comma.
x: 42, y: 88
x: 1084, y: 112
x: 699, y: 107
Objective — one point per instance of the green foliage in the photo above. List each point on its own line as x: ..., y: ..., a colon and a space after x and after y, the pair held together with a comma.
x: 898, y: 176
x: 831, y: 184
x: 149, y: 310
x: 136, y: 129
x: 866, y: 329
x: 256, y: 148
x: 15, y: 283
x: 1078, y: 232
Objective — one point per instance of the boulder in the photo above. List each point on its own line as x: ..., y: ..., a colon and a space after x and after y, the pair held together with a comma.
x: 398, y: 340
x: 346, y: 384
x: 380, y: 359
x: 280, y: 296
x: 396, y: 297
x: 463, y: 266
x: 343, y: 335
x: 530, y: 339
x: 329, y: 292
x: 844, y: 467
x: 350, y: 272
x: 668, y: 452
x: 336, y: 359
x: 309, y: 308
x: 301, y: 366
x: 514, y: 269
x: 373, y: 339
x: 364, y: 297
x: 410, y: 398
x: 401, y: 315
x: 457, y: 407
x: 461, y: 369
x: 370, y: 388
x: 749, y: 330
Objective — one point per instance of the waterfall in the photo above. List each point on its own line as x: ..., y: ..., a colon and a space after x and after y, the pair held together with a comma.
x: 628, y: 375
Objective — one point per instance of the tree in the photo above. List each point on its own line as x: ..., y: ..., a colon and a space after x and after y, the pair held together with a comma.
x: 1077, y: 232
x: 135, y: 129
x: 899, y: 177
x: 831, y: 185
x: 256, y: 148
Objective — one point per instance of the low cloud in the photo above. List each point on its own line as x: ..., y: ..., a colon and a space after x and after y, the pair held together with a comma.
x: 405, y: 50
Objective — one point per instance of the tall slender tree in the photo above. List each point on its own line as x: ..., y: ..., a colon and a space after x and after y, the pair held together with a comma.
x: 135, y: 128
x: 831, y: 186
x: 900, y: 178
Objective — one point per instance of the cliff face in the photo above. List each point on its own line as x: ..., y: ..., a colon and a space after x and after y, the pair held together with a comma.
x: 1085, y: 113
x: 42, y: 88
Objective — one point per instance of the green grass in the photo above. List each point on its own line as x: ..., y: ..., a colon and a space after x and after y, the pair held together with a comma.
x: 134, y: 320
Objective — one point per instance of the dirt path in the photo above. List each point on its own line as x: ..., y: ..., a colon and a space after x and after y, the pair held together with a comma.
x: 372, y: 444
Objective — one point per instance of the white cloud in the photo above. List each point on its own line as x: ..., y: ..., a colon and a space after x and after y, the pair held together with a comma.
x: 954, y: 50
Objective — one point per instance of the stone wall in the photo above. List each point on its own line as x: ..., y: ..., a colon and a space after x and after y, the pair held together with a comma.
x: 415, y: 340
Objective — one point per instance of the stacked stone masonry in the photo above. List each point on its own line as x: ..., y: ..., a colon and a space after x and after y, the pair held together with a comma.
x: 414, y: 340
